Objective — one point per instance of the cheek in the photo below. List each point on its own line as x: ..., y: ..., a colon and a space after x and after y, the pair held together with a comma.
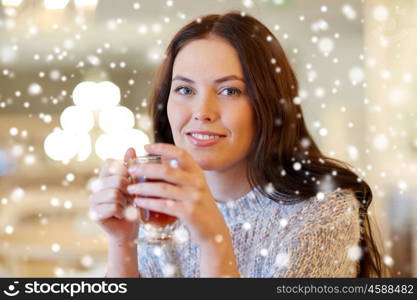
x: 177, y: 116
x: 243, y: 124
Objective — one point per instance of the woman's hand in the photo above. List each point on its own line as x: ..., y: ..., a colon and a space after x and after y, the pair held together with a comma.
x: 184, y: 193
x: 109, y: 201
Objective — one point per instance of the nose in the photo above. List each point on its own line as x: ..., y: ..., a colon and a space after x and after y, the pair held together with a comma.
x: 203, y: 116
x: 206, y: 109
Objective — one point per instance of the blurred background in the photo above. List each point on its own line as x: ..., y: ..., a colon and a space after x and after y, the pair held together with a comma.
x: 75, y: 80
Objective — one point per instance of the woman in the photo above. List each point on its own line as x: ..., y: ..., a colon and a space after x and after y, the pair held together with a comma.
x: 252, y: 188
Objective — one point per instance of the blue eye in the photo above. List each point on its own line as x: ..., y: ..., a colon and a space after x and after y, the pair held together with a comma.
x: 183, y: 89
x: 235, y: 92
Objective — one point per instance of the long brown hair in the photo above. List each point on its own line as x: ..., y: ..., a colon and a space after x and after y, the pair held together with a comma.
x: 281, y: 136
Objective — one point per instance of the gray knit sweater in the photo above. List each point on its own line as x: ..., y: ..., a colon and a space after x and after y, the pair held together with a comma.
x: 318, y: 237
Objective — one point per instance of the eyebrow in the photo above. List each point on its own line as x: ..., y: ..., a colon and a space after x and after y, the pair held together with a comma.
x: 226, y: 78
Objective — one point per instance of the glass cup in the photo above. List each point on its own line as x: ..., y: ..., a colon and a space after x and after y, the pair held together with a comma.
x: 158, y: 227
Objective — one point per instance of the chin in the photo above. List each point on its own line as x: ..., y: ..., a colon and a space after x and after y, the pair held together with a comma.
x: 208, y: 164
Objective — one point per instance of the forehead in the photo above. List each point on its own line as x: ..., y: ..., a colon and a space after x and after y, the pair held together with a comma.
x: 208, y: 58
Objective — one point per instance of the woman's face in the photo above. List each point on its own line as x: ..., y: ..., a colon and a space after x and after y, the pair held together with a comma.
x: 208, y: 94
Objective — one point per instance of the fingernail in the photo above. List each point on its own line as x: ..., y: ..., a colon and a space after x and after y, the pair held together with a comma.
x: 130, y: 188
x: 138, y: 201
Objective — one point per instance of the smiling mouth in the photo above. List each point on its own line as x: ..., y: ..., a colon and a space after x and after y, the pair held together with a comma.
x: 205, y: 137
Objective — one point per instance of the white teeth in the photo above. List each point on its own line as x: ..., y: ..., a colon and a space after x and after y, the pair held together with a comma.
x: 203, y: 136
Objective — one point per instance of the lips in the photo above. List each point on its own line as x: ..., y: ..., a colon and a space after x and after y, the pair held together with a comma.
x: 204, y: 132
x: 204, y: 143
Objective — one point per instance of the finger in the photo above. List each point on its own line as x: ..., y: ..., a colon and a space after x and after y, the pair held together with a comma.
x: 130, y: 153
x: 169, y: 152
x: 112, y: 182
x: 162, y: 172
x: 113, y: 167
x: 157, y: 189
x: 165, y: 206
x: 109, y: 196
x: 108, y: 210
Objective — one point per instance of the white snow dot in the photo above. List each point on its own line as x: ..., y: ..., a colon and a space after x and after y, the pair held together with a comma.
x: 297, y: 100
x: 349, y: 12
x: 168, y: 270
x: 282, y: 260
x: 264, y: 252
x: 246, y: 226
x: 352, y: 152
x: 247, y: 3
x: 92, y: 215
x: 218, y: 238
x: 34, y: 89
x: 320, y: 196
x: 407, y: 77
x: 325, y: 45
x: 70, y: 177
x: 54, y: 75
x: 9, y: 229
x: 67, y: 204
x: 54, y: 201
x: 402, y: 185
x: 356, y: 75
x: 55, y: 247
x: 380, y: 13
x: 59, y: 272
x: 323, y: 131
x: 380, y: 141
x: 269, y: 188
x: 319, y: 92
x: 173, y: 163
x: 131, y: 213
x: 388, y: 260
x: 305, y: 142
x: 13, y: 131
x: 385, y: 74
x: 354, y: 253
x: 47, y: 118
x: 181, y: 235
x: 87, y: 261
x: 30, y: 159
x: 136, y: 6
x: 157, y: 251
x: 283, y: 222
x: 398, y: 96
x: 296, y: 166
x: 17, y: 194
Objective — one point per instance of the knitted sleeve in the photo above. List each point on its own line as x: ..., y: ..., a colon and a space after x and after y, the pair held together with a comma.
x: 325, y: 244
